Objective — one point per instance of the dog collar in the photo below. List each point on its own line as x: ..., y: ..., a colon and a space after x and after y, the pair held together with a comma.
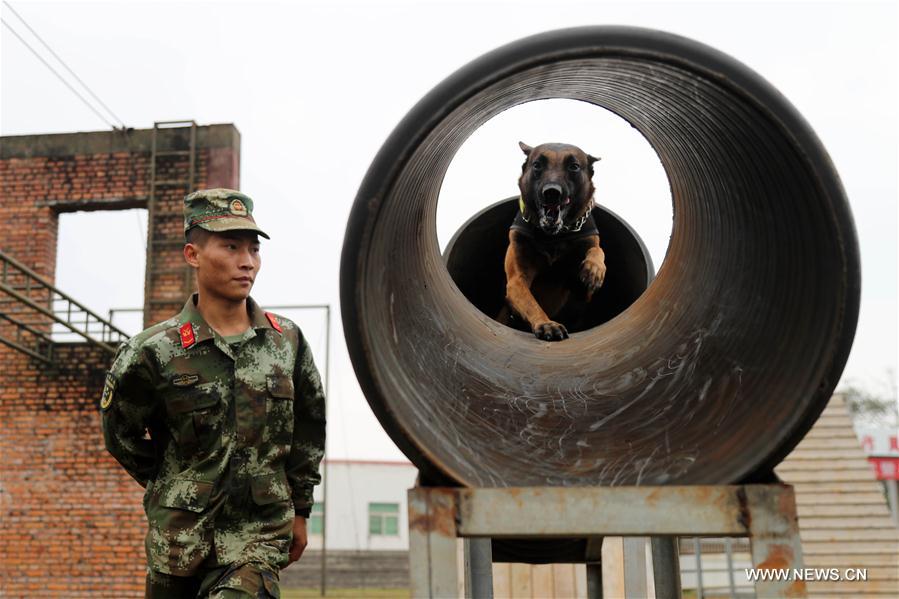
x: 579, y: 223
x: 583, y: 227
x: 577, y: 226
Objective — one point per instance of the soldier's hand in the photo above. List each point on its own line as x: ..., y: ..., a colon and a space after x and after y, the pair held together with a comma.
x: 299, y: 539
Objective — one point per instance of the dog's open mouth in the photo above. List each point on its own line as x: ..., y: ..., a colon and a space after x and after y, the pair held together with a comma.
x: 551, y: 216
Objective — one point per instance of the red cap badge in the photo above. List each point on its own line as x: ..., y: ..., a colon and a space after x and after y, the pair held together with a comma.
x: 187, y: 335
x: 274, y: 321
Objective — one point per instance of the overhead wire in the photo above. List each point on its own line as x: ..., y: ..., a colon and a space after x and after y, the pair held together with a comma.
x: 54, y: 71
x: 81, y: 97
x: 63, y: 63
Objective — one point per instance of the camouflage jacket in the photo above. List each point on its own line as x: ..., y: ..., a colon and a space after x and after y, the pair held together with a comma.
x: 227, y: 442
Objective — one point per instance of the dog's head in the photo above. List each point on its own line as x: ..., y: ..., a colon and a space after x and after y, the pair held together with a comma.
x: 556, y: 185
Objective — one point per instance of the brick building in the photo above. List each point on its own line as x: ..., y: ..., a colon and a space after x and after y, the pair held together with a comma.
x: 71, y: 523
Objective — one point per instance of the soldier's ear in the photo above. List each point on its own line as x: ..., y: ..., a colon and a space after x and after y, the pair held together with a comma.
x: 525, y: 148
x: 190, y: 255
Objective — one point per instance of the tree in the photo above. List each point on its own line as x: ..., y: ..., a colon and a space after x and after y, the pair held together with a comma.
x: 873, y: 403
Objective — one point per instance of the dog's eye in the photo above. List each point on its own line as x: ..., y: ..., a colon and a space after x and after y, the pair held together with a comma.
x: 574, y: 167
x: 537, y: 166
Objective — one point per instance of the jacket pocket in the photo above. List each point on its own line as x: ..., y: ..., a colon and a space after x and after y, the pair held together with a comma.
x: 279, y: 386
x: 279, y: 410
x: 180, y: 533
x: 196, y: 398
x: 185, y: 494
x: 195, y: 418
x: 270, y: 488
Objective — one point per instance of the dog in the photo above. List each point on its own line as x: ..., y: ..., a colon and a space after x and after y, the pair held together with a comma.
x: 554, y: 263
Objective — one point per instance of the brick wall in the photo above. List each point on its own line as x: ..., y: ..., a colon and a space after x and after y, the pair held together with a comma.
x: 71, y: 522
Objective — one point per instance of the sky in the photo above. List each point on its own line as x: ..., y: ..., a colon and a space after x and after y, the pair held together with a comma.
x: 315, y: 88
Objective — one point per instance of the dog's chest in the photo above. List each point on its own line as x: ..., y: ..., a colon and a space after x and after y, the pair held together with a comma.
x: 554, y: 253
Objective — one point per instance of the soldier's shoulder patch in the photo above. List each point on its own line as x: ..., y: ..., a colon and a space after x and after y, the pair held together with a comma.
x: 108, y: 392
x: 187, y: 335
x: 274, y: 320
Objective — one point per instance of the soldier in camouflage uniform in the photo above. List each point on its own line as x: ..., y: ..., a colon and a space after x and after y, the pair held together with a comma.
x: 219, y: 413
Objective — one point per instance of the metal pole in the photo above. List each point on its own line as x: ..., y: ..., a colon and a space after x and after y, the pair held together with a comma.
x: 433, y: 553
x: 893, y: 498
x: 478, y: 568
x: 324, y: 573
x: 728, y: 551
x: 666, y: 567
x: 697, y: 548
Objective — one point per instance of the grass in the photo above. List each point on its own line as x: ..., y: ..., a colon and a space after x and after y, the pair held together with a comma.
x: 346, y: 593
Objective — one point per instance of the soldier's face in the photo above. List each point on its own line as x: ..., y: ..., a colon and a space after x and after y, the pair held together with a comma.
x: 227, y: 264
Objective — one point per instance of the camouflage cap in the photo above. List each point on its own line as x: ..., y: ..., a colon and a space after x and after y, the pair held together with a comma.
x: 220, y: 210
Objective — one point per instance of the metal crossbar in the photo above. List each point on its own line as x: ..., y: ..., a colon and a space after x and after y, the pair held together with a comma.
x: 33, y: 305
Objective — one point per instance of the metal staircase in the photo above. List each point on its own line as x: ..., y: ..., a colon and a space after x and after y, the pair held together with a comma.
x: 35, y: 315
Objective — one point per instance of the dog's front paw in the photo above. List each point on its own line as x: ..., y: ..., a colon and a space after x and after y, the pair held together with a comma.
x: 550, y: 331
x: 592, y: 274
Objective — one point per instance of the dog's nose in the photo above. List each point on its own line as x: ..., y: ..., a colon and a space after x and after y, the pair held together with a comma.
x: 552, y: 193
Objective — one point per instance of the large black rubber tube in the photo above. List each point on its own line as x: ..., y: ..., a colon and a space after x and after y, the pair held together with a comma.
x: 712, y: 375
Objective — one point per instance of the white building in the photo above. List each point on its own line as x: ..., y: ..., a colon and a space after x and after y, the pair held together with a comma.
x: 366, y: 507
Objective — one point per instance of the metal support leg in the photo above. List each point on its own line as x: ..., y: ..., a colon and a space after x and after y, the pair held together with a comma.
x: 666, y: 567
x: 635, y: 568
x: 774, y: 537
x: 478, y: 569
x: 433, y: 569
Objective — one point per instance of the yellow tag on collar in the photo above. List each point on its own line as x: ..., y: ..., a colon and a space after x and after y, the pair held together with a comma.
x: 108, y: 392
x: 521, y: 205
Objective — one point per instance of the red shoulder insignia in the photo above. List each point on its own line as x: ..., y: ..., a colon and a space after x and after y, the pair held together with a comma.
x: 274, y: 321
x: 187, y: 335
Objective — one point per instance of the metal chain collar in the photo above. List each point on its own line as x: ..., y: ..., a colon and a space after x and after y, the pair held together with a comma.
x: 579, y: 223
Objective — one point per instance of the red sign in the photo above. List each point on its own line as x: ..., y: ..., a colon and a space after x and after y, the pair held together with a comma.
x: 885, y: 468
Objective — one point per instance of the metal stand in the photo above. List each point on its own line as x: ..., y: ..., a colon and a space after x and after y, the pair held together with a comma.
x: 439, y: 516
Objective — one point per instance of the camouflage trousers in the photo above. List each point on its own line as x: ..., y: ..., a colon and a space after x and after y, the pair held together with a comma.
x: 236, y: 581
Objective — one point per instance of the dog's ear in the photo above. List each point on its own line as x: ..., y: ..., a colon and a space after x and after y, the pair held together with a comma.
x: 592, y: 159
x: 525, y: 148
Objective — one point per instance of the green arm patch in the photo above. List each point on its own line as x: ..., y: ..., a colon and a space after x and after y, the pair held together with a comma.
x: 108, y: 392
